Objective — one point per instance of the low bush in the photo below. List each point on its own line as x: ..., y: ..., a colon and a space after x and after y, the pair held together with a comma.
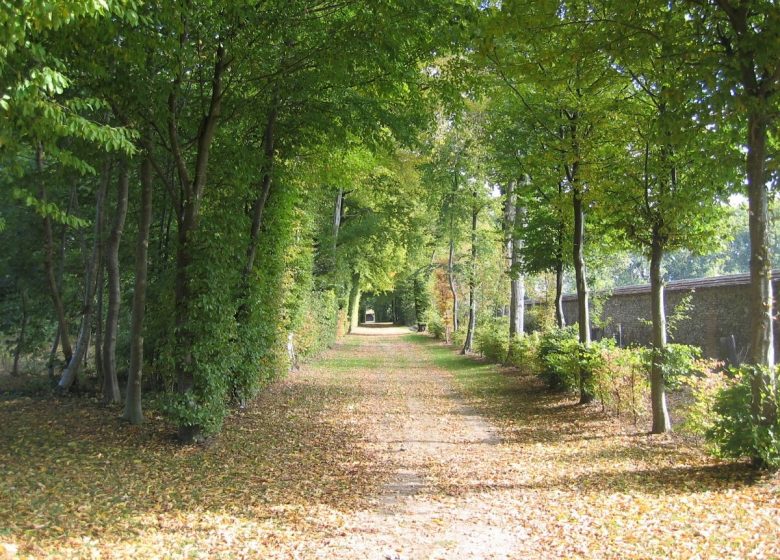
x: 524, y: 353
x: 618, y: 378
x: 437, y: 329
x: 700, y: 391
x: 458, y: 338
x: 679, y: 363
x: 737, y: 432
x: 559, y: 359
x: 492, y: 340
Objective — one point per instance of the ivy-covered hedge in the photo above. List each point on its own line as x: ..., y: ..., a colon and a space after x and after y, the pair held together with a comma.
x: 241, y: 330
x: 319, y: 327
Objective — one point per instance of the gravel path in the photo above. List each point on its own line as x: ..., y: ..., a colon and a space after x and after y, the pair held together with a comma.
x: 373, y: 452
x: 415, y: 422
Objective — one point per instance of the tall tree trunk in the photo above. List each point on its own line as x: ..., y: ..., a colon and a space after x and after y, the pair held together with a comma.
x: 586, y: 393
x: 573, y: 176
x: 517, y: 288
x: 761, y: 304
x: 661, y: 422
x: 354, y: 302
x: 258, y: 206
x: 48, y: 263
x: 337, y: 211
x: 133, y: 410
x: 453, y: 286
x: 60, y: 275
x: 185, y: 374
x: 468, y: 345
x: 516, y: 305
x: 111, y: 392
x: 760, y: 80
x: 192, y: 188
x: 99, y: 315
x: 70, y: 373
x: 22, y: 332
x: 560, y: 317
x: 53, y: 355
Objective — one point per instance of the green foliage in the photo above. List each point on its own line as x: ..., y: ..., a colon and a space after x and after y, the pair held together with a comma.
x: 436, y: 327
x: 618, y: 377
x: 707, y: 382
x: 211, y: 324
x: 318, y: 329
x: 492, y: 339
x: 679, y: 314
x: 738, y: 432
x: 458, y: 337
x: 559, y: 358
x: 524, y: 353
x: 678, y: 362
x: 276, y: 306
x: 423, y: 299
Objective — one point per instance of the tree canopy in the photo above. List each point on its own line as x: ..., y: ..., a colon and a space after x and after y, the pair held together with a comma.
x: 205, y: 193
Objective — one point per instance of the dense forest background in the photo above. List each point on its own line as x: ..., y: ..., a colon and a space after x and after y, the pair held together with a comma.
x: 198, y: 195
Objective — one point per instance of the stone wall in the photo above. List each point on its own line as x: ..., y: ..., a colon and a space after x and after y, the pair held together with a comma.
x: 719, y: 309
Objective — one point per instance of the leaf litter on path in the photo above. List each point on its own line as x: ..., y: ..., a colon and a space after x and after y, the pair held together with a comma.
x: 388, y: 447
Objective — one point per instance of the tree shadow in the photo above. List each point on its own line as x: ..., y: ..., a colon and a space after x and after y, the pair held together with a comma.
x: 656, y: 481
x: 70, y: 469
x: 603, y: 451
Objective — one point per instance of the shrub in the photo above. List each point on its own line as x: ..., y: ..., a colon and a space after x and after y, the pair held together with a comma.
x: 492, y: 340
x: 706, y: 383
x: 436, y: 328
x: 558, y: 358
x: 524, y: 353
x: 618, y: 377
x: 458, y: 338
x: 737, y: 432
x: 679, y: 362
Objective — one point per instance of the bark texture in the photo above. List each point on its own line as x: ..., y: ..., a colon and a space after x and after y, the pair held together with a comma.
x: 133, y: 412
x: 48, y: 265
x: 453, y: 287
x: 760, y: 80
x: 517, y: 285
x: 79, y: 353
x: 661, y: 421
x: 111, y: 392
x: 354, y: 302
x: 586, y: 394
x: 468, y: 344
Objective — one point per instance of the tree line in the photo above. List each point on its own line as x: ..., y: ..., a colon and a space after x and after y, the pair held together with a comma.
x: 205, y: 193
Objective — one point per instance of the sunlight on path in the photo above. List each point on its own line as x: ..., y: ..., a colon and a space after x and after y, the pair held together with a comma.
x: 552, y: 480
x: 415, y: 422
x: 389, y: 446
x: 380, y: 329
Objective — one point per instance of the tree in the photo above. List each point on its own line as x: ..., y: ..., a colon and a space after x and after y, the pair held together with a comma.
x: 742, y: 37
x: 670, y: 187
x: 554, y: 48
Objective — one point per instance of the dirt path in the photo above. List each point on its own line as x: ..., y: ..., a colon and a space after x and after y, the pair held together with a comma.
x: 418, y: 424
x: 390, y: 446
x: 532, y: 476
